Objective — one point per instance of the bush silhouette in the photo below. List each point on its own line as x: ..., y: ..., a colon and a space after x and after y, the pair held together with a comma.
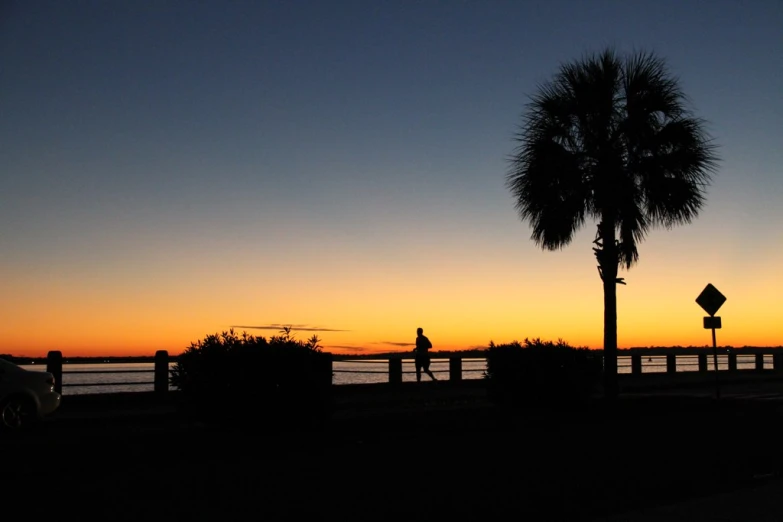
x: 542, y: 374
x: 234, y: 378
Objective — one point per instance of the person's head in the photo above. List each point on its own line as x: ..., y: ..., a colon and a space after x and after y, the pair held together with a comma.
x: 419, y: 331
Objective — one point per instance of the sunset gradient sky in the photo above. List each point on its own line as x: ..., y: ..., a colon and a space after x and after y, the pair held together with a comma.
x: 172, y: 168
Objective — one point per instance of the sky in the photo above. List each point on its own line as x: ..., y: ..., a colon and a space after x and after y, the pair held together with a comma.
x: 173, y: 169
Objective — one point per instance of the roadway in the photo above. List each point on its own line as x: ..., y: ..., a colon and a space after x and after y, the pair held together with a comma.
x: 654, y: 461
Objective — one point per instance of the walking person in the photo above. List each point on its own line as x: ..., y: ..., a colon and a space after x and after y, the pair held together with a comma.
x: 422, y: 355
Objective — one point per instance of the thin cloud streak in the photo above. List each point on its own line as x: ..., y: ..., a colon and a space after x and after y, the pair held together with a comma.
x: 347, y: 348
x: 296, y: 327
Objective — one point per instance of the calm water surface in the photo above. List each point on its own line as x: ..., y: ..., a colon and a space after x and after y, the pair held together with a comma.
x: 133, y: 377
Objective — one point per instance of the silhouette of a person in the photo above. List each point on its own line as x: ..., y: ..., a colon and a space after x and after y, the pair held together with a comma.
x: 422, y: 355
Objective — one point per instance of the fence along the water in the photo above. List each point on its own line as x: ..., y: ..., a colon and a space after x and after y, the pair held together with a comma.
x: 757, y: 361
x: 393, y: 367
x: 160, y: 372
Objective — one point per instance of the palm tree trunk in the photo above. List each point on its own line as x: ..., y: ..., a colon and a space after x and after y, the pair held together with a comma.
x: 609, y: 262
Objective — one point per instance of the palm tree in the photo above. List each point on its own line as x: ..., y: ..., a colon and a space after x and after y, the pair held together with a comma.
x: 609, y: 138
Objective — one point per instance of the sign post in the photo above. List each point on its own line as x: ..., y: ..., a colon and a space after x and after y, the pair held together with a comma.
x: 710, y: 299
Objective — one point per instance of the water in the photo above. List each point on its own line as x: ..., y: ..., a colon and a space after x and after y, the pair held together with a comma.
x: 347, y: 372
x: 80, y: 379
x: 690, y: 363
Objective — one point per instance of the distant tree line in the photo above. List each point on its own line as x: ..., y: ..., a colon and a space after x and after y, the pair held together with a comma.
x: 471, y: 352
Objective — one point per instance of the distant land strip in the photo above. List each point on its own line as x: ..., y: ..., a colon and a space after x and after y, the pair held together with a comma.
x: 474, y: 352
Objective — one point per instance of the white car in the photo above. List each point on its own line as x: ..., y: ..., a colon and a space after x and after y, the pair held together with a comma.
x: 25, y: 396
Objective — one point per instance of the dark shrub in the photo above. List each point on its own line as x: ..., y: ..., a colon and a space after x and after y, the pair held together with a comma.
x: 230, y: 378
x: 542, y: 374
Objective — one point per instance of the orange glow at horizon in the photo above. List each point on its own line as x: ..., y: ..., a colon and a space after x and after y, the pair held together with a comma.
x: 462, y: 300
x: 657, y: 308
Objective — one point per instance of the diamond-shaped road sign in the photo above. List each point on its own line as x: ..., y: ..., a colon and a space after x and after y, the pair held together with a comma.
x: 710, y: 299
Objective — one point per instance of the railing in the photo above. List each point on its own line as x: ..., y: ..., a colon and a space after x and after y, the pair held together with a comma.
x: 393, y: 367
x: 757, y: 361
x: 160, y: 371
x: 160, y: 382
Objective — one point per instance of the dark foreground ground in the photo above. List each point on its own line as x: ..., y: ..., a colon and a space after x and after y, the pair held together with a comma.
x: 458, y: 460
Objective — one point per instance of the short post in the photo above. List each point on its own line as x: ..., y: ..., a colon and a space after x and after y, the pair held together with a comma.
x: 395, y: 370
x: 671, y: 363
x: 161, y: 383
x: 702, y: 363
x: 759, y: 362
x: 732, y: 362
x: 777, y: 361
x: 328, y: 368
x: 455, y: 368
x: 715, y: 363
x: 54, y: 365
x: 636, y: 363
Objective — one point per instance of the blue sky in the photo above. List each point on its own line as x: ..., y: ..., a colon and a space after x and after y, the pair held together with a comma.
x: 171, y: 151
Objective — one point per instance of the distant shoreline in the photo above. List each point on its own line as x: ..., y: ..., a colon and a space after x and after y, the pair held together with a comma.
x: 479, y: 353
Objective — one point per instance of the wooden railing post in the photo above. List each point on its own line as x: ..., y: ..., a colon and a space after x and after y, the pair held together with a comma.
x: 395, y: 370
x: 54, y: 365
x: 161, y: 385
x: 671, y: 363
x: 732, y: 362
x: 455, y: 368
x: 328, y: 362
x: 636, y: 363
x: 703, y: 362
x: 759, y: 361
